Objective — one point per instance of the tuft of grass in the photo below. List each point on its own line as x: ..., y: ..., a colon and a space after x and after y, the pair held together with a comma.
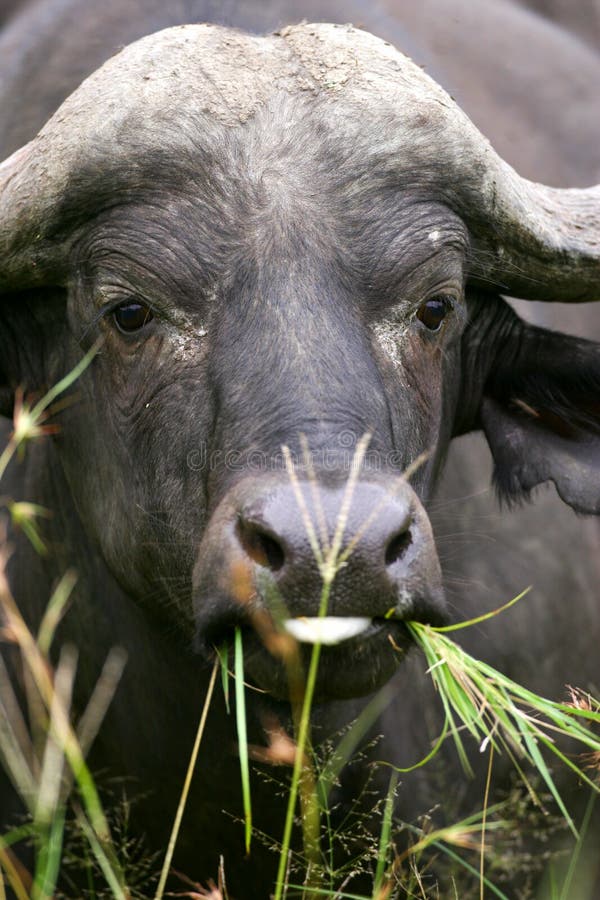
x: 44, y: 765
x: 502, y: 714
x: 43, y: 752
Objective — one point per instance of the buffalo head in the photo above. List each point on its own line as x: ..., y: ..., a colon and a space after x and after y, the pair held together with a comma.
x: 288, y: 243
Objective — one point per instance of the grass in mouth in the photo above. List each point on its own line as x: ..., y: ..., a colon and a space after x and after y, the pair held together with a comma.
x: 502, y: 714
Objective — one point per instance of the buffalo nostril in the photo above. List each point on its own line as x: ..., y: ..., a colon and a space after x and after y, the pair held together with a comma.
x: 397, y: 547
x: 261, y: 546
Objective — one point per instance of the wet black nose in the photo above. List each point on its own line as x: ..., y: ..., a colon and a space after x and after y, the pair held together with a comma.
x: 379, y: 541
x: 273, y: 537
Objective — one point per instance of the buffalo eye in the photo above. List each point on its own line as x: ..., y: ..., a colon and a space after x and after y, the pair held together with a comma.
x: 433, y: 312
x: 132, y: 316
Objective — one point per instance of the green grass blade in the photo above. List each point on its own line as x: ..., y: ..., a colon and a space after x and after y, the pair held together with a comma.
x: 385, y: 836
x: 113, y: 878
x: 571, y: 765
x: 20, y: 833
x: 240, y: 717
x: 55, y: 611
x: 422, y: 762
x: 66, y: 382
x: 540, y: 764
x: 457, y: 626
x: 49, y: 858
x: 302, y: 741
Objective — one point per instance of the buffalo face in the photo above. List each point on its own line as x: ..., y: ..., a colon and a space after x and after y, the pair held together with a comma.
x: 291, y: 294
x: 316, y: 328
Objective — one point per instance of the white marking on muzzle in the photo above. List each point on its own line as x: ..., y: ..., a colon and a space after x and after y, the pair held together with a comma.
x: 325, y: 629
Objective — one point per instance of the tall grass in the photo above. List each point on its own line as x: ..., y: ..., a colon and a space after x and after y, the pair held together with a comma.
x: 45, y: 760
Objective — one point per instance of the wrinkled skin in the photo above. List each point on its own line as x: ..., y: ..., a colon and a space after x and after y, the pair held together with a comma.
x: 131, y: 499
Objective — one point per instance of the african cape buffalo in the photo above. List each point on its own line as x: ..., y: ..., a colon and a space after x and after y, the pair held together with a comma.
x: 300, y: 235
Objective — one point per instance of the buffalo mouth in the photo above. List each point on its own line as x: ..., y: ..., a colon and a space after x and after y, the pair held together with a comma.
x: 357, y: 654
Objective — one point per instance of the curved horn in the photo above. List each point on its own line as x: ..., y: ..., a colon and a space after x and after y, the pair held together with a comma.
x: 530, y: 240
x: 533, y: 241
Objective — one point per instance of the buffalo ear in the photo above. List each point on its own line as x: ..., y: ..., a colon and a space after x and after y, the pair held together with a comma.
x: 540, y: 412
x: 529, y: 451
